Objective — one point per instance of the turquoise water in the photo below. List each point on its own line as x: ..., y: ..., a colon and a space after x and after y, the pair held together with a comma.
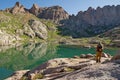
x: 31, y: 55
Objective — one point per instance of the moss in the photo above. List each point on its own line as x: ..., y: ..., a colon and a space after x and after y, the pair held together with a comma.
x: 38, y: 76
x: 48, y: 23
x: 25, y: 38
x: 67, y: 69
x: 24, y: 78
x: 107, y: 41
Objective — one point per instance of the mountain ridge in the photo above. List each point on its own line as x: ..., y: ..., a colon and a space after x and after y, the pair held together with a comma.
x: 91, y: 22
x: 54, y: 13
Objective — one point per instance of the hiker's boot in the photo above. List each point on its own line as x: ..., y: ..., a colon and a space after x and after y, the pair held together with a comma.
x: 96, y: 60
x: 99, y: 61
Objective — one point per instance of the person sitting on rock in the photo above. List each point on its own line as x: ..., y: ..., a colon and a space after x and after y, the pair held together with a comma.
x: 99, y: 50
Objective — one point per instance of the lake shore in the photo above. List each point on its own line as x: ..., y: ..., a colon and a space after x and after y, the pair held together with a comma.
x: 72, y: 69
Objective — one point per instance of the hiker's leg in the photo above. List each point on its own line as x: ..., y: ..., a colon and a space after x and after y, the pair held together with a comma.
x: 97, y: 58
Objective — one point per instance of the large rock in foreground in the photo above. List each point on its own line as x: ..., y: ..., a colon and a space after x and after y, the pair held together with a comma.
x: 106, y: 71
x: 58, y: 68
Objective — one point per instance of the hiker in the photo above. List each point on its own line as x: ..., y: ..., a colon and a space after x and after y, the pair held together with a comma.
x: 99, y: 49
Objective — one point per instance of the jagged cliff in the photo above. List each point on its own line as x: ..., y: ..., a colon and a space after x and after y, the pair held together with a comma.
x: 92, y: 22
x: 18, y: 8
x: 55, y: 13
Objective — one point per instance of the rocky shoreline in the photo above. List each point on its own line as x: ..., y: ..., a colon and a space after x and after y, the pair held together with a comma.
x: 76, y: 68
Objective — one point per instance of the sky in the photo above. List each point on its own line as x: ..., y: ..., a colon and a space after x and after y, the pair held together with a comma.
x: 71, y: 6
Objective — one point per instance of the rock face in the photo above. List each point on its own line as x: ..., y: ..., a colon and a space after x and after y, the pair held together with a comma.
x: 18, y: 75
x: 95, y: 72
x: 60, y: 68
x: 35, y: 29
x: 92, y: 21
x: 53, y: 68
x: 55, y: 13
x: 114, y: 34
x: 8, y: 39
x: 35, y: 9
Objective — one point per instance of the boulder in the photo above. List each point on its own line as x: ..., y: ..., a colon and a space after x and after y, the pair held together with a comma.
x: 28, y: 31
x: 89, y: 55
x: 86, y: 55
x: 109, y: 55
x: 76, y: 57
x: 105, y: 55
x: 82, y: 56
x: 39, y: 29
x: 35, y: 29
x: 8, y: 39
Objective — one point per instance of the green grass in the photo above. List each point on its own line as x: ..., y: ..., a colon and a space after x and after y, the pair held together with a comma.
x: 24, y: 78
x: 67, y: 69
x: 18, y: 20
x: 38, y: 76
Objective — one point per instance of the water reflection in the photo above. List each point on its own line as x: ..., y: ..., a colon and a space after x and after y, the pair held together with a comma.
x: 31, y: 55
x: 24, y: 57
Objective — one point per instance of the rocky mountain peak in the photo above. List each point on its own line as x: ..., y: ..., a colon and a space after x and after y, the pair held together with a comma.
x: 55, y: 13
x: 35, y: 9
x: 90, y: 9
x: 17, y: 4
x: 18, y: 8
x: 35, y: 6
x: 56, y: 7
